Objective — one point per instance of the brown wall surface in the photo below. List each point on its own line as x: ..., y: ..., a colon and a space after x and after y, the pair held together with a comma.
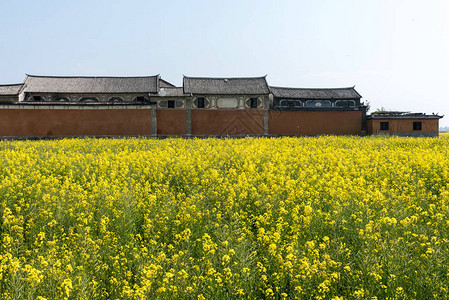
x: 369, y: 126
x: 171, y: 121
x: 314, y: 122
x: 74, y: 122
x: 227, y: 122
x: 402, y: 125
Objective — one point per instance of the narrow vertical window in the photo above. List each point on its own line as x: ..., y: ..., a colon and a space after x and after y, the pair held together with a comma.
x: 200, y: 102
x: 171, y: 103
x: 417, y: 125
x: 254, y: 103
x: 384, y: 126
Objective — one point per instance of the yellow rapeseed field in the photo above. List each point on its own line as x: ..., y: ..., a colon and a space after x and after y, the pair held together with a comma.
x: 257, y: 218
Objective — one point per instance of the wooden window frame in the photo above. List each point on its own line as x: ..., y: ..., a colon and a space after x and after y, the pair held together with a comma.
x: 417, y: 125
x: 254, y: 102
x: 200, y: 102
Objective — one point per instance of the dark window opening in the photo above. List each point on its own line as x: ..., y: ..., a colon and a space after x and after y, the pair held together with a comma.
x: 200, y: 102
x: 37, y: 98
x: 254, y: 103
x: 140, y: 99
x: 289, y: 103
x: 384, y: 126
x: 345, y: 103
x: 171, y: 103
x: 417, y: 125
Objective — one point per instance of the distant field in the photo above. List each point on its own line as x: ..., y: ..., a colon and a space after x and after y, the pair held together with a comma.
x: 309, y: 218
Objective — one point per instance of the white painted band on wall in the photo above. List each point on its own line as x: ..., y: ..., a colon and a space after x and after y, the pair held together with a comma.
x: 227, y: 102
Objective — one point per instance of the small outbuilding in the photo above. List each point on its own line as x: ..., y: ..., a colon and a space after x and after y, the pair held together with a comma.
x: 403, y: 123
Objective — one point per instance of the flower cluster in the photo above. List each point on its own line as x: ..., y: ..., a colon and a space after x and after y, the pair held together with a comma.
x: 275, y: 218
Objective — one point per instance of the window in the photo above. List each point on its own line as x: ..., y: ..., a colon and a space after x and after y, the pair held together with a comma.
x: 254, y: 103
x: 171, y: 103
x: 290, y: 103
x: 61, y: 99
x: 417, y: 125
x: 200, y: 103
x: 140, y: 99
x: 37, y: 98
x: 345, y: 103
x: 115, y: 99
x: 318, y: 103
x: 89, y: 99
x: 384, y: 126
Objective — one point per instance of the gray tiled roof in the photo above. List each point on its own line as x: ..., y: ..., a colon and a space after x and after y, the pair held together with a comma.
x: 226, y: 86
x: 165, y: 83
x: 56, y: 84
x: 171, y: 92
x: 10, y: 89
x: 304, y: 93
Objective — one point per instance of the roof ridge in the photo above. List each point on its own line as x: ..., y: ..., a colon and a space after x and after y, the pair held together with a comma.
x: 54, y: 76
x: 11, y: 84
x: 296, y: 88
x: 258, y: 77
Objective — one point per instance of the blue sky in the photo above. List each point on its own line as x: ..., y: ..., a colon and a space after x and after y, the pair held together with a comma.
x: 396, y: 52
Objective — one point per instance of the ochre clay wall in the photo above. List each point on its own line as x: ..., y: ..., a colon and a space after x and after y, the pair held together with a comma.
x: 227, y: 122
x: 171, y: 122
x: 402, y: 126
x: 314, y: 122
x: 74, y: 122
x: 369, y: 126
